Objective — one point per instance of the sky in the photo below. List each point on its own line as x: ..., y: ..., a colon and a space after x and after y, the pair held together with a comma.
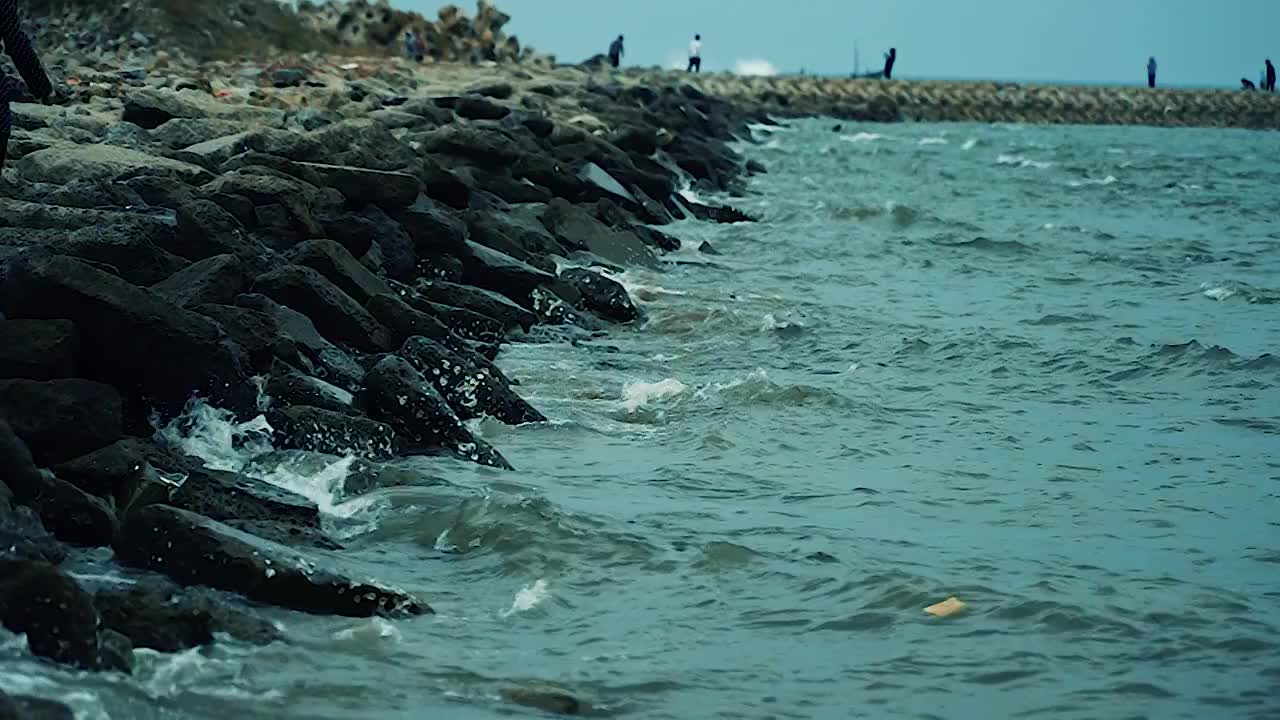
x: 1195, y: 42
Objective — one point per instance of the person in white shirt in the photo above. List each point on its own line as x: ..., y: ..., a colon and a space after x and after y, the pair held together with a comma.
x: 695, y: 54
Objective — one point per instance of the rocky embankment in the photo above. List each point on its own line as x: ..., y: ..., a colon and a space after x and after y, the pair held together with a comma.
x: 342, y: 248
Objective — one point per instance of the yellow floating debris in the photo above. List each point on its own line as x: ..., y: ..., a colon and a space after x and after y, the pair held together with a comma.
x: 947, y: 608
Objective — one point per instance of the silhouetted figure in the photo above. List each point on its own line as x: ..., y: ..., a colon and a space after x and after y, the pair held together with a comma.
x: 615, y: 52
x: 890, y: 58
x: 1271, y: 76
x: 18, y: 46
x: 695, y: 54
x: 1151, y: 72
x: 1247, y: 84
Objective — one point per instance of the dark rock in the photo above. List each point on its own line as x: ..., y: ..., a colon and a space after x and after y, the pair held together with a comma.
x: 68, y: 512
x: 360, y: 186
x: 170, y: 355
x: 214, y: 280
x: 56, y: 615
x: 61, y: 419
x: 134, y: 250
x: 37, y: 349
x: 501, y: 273
x: 445, y: 268
x: 576, y: 228
x: 288, y: 386
x: 392, y: 253
x: 398, y: 394
x: 88, y: 194
x: 655, y: 238
x: 440, y: 184
x: 354, y: 231
x: 464, y: 323
x: 497, y: 90
x: 517, y: 234
x: 257, y: 332
x: 722, y: 214
x: 509, y: 189
x: 404, y: 320
x: 484, y: 146
x: 477, y: 108
x: 115, y: 652
x: 24, y: 537
x: 180, y: 133
x: 206, y: 229
x: 435, y: 231
x: 637, y: 140
x: 706, y: 249
x: 334, y: 312
x: 602, y: 296
x: 540, y: 127
x: 227, y: 497
x: 472, y: 389
x: 154, y: 614
x: 119, y: 470
x: 548, y: 699
x: 485, y: 302
x: 330, y: 363
x: 196, y: 550
x: 325, y: 431
x: 300, y: 200
x: 288, y: 77
x: 338, y: 265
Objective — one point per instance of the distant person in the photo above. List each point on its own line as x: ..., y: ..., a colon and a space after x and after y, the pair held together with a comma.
x: 1271, y: 76
x: 615, y: 52
x: 1247, y: 84
x: 410, y: 44
x: 695, y: 54
x: 1151, y: 72
x: 890, y: 58
x: 18, y: 46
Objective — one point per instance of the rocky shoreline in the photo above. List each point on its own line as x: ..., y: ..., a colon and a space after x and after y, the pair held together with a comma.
x: 339, y: 247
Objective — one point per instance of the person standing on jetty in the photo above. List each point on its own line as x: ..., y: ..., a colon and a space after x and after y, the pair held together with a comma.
x: 890, y: 58
x: 1271, y: 76
x: 1151, y: 72
x: 695, y: 54
x: 18, y: 46
x: 615, y: 52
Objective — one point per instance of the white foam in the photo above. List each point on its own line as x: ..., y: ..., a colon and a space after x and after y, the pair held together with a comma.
x: 529, y: 597
x: 636, y: 395
x: 1022, y: 161
x: 862, y: 137
x: 635, y: 282
x: 1217, y: 292
x: 209, y: 434
x: 935, y: 141
x: 372, y: 630
x: 1108, y: 180
x: 770, y: 323
x: 969, y: 144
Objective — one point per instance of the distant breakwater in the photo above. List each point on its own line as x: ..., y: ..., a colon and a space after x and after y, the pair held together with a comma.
x: 985, y: 102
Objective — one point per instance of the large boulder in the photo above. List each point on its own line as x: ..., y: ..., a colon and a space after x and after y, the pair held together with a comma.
x: 218, y: 279
x: 178, y: 133
x: 195, y: 550
x: 300, y: 201
x: 434, y: 230
x: 25, y: 707
x: 259, y: 333
x: 578, y: 229
x: 493, y: 270
x: 478, y: 108
x: 151, y: 108
x: 518, y: 236
x: 340, y: 267
x: 361, y: 186
x: 337, y: 316
x: 24, y: 537
x: 472, y: 389
x: 118, y: 471
x: 65, y: 163
x: 405, y: 321
x: 399, y: 395
x: 488, y: 147
x: 318, y: 356
x: 325, y: 431
x: 485, y: 302
x: 602, y: 296
x: 56, y: 615
x: 129, y: 337
x: 157, y: 615
x: 464, y: 323
x: 61, y: 419
x: 37, y: 349
x: 287, y: 386
x: 134, y: 250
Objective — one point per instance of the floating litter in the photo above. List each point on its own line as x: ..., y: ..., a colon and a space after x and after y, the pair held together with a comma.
x: 947, y: 608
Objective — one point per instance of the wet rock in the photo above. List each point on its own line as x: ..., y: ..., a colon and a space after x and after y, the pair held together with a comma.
x: 214, y: 280
x: 160, y: 616
x: 56, y: 615
x: 434, y: 231
x: 445, y: 268
x: 115, y: 652
x: 37, y: 349
x: 23, y: 707
x: 472, y: 389
x: 490, y: 304
x: 576, y: 228
x: 398, y: 394
x: 361, y: 186
x: 170, y: 355
x: 328, y: 362
x: 61, y: 419
x: 404, y: 320
x: 257, y: 332
x: 119, y: 470
x: 492, y: 270
x: 333, y: 261
x: 24, y: 537
x: 477, y: 108
x: 521, y: 237
x: 195, y: 550
x: 467, y: 324
x: 65, y: 163
x: 333, y: 433
x: 602, y: 296
x: 287, y: 386
x: 547, y: 699
x: 335, y: 313
x: 706, y: 249
x: 228, y: 497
